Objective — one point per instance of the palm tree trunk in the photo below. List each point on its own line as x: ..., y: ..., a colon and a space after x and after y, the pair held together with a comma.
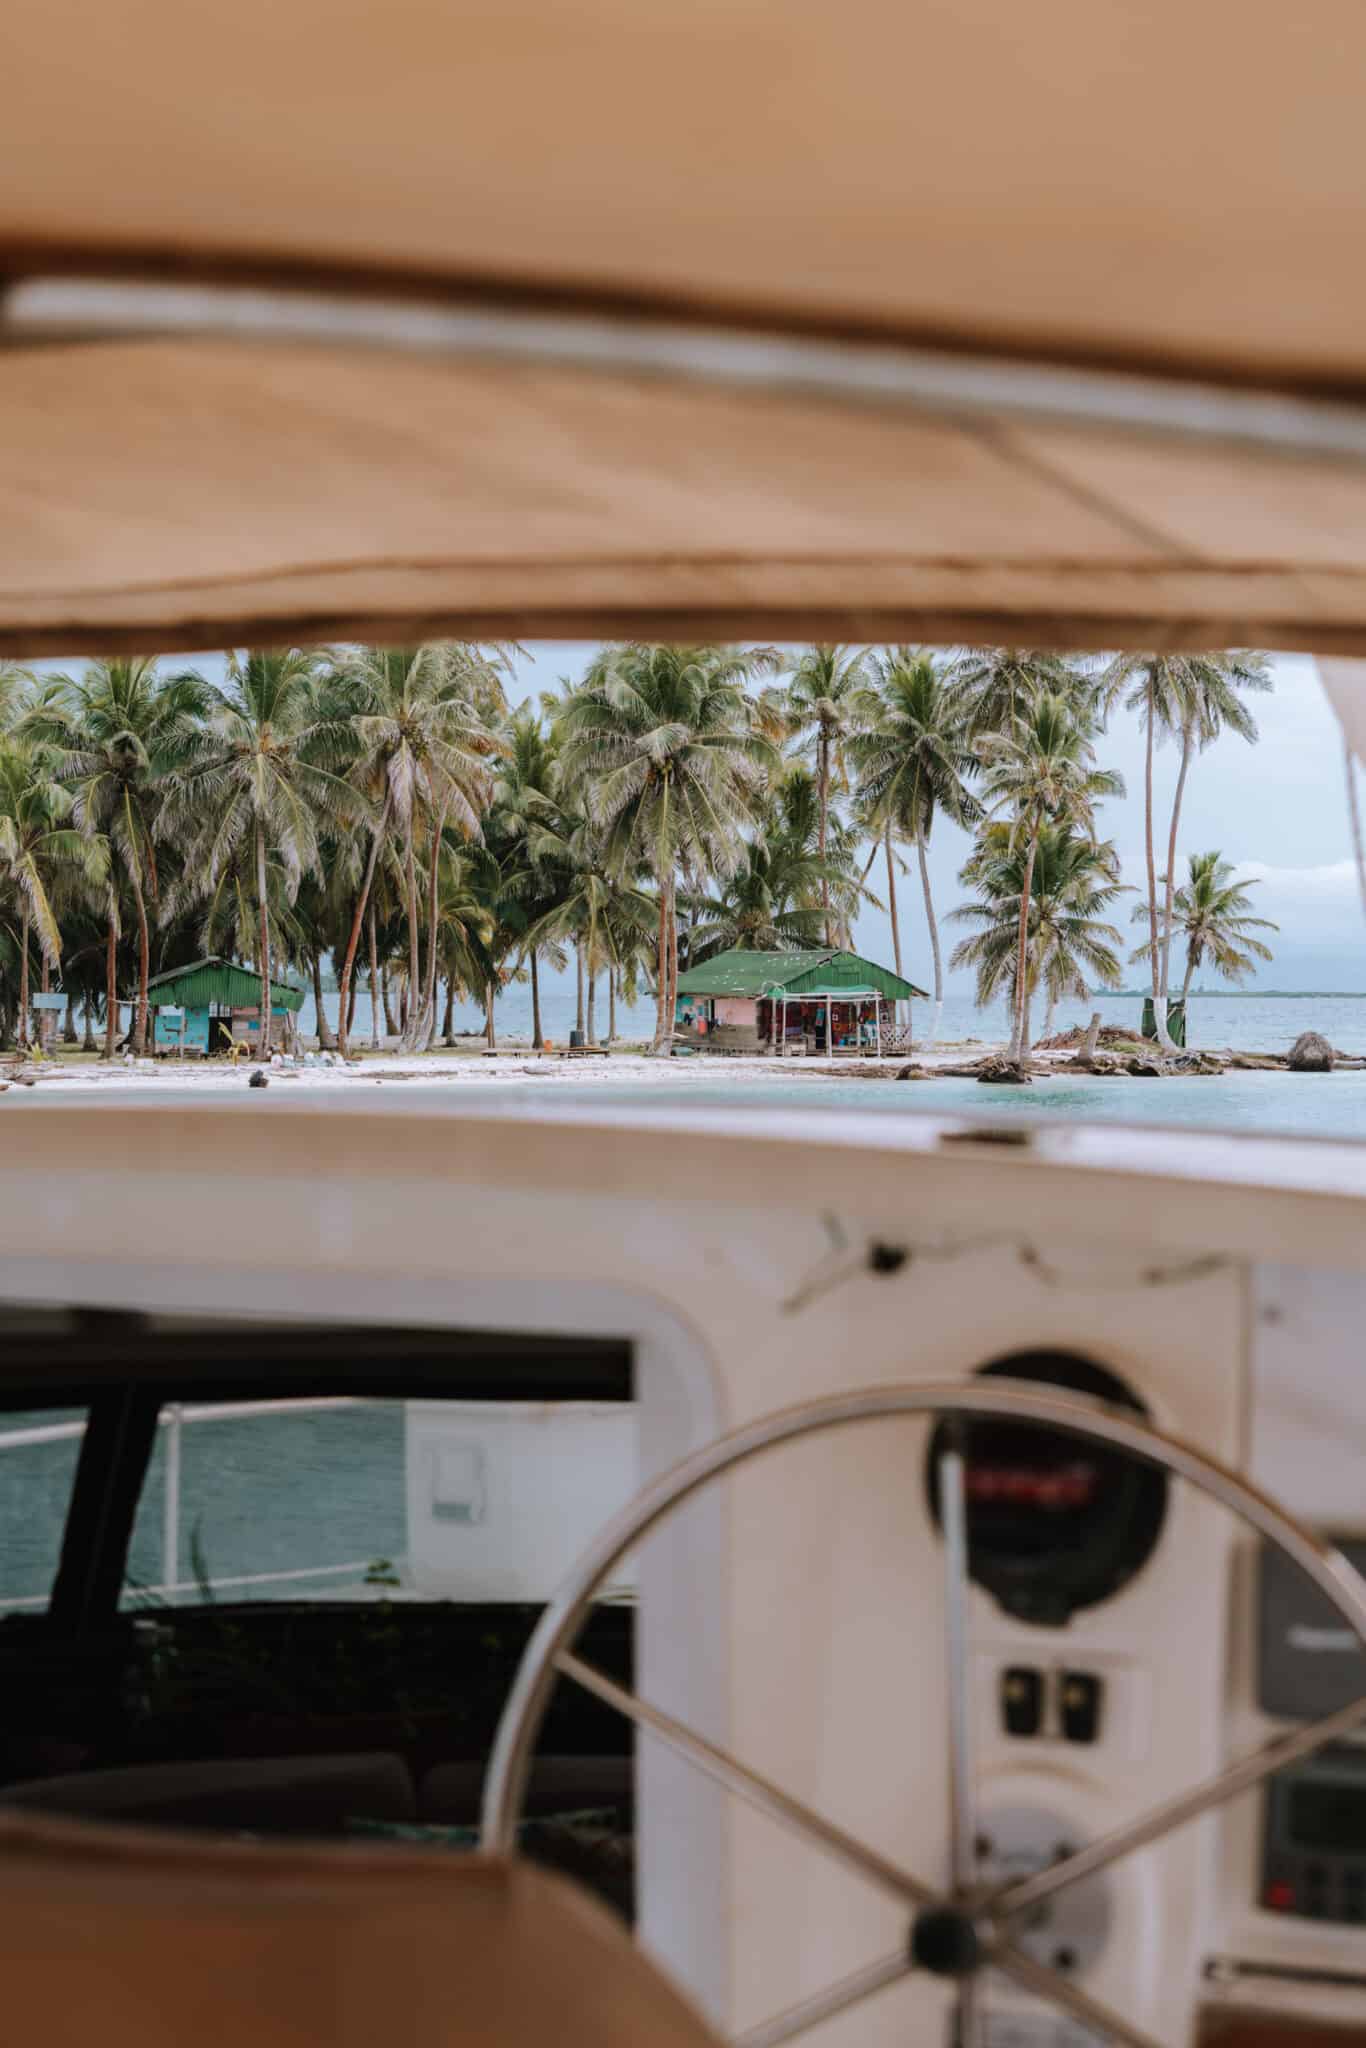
x: 1159, y: 1008
x: 111, y: 983
x: 374, y: 978
x: 144, y: 967
x: 490, y: 1031
x: 326, y: 1040
x: 390, y: 1028
x: 663, y: 1028
x: 891, y: 894
x: 579, y: 1018
x: 448, y: 1021
x: 932, y: 925
x: 1167, y: 912
x: 592, y: 1006
x: 23, y: 983
x: 1017, y: 1045
x: 263, y: 1035
x: 673, y: 960
x: 69, y: 1020
x: 410, y: 877
x: 611, y: 1004
x: 422, y: 1015
x: 1190, y: 976
x: 823, y: 766
x: 537, y: 1040
x: 44, y: 987
x: 88, y: 1040
x: 353, y: 936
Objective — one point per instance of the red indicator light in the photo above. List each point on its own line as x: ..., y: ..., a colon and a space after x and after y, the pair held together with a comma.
x: 1280, y: 1897
x: 1052, y: 1487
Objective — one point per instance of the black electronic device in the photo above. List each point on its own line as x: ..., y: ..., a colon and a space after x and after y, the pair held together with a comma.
x: 1314, y: 1844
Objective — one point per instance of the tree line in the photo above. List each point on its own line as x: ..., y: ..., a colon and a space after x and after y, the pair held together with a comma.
x: 385, y: 811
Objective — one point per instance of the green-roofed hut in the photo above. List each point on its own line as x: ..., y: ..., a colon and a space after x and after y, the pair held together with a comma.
x: 205, y: 1005
x: 828, y: 1000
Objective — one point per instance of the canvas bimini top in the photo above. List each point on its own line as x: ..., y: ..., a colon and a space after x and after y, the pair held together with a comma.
x: 831, y: 972
x: 983, y: 365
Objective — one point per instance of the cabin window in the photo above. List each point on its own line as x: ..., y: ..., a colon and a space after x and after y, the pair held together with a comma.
x: 258, y: 1500
x: 39, y: 1449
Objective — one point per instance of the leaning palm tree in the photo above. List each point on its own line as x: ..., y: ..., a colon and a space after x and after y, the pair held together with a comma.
x: 1193, y: 697
x: 422, y: 726
x: 121, y: 730
x: 1043, y: 773
x: 42, y: 851
x: 1212, y: 913
x: 256, y: 792
x: 828, y: 697
x: 914, y: 761
x: 663, y: 744
x: 1072, y: 948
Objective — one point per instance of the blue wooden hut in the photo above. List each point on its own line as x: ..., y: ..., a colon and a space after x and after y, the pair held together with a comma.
x: 212, y: 1001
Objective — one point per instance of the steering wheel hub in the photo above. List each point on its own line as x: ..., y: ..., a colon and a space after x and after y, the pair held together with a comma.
x: 945, y: 1942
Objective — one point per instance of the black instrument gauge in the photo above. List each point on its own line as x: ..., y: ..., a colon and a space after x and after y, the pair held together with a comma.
x: 1055, y: 1522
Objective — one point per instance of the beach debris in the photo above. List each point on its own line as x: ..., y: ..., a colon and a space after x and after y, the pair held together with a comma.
x: 257, y: 1079
x: 1002, y: 1071
x: 1145, y: 1067
x: 1311, y: 1054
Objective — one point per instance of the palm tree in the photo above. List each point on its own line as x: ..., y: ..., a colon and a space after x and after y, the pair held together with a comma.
x: 999, y: 686
x: 41, y: 850
x: 121, y: 730
x: 1195, y: 697
x: 663, y: 743
x: 913, y: 762
x: 1073, y: 883
x: 1212, y: 913
x: 420, y: 722
x: 257, y: 791
x: 1043, y: 772
x: 782, y: 890
x: 526, y: 807
x: 827, y: 699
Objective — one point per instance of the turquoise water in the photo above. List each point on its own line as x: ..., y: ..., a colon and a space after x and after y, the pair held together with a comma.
x: 1291, y: 1105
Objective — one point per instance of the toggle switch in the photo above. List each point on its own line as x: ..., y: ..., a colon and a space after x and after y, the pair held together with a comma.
x: 1021, y: 1700
x: 1080, y: 1701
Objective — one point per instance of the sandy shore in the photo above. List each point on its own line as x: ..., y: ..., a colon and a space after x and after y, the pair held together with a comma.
x: 459, y: 1068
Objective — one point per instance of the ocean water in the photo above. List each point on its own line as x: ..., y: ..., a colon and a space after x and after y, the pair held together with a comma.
x: 1247, y: 1023
x: 1261, y: 1104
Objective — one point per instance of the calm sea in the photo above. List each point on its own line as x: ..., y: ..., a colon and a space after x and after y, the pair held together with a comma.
x: 1248, y: 1023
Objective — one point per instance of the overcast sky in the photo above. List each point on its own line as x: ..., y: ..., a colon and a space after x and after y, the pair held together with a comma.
x: 1278, y: 809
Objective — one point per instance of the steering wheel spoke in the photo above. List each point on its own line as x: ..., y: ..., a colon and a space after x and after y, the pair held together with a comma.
x: 1061, y: 1991
x: 811, y: 2012
x: 1019, y: 1897
x: 750, y: 1785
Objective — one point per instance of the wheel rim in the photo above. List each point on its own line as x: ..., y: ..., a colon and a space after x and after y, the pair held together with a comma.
x: 966, y: 1926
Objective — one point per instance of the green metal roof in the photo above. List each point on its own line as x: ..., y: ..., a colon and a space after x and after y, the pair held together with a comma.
x: 218, y: 981
x: 829, y: 972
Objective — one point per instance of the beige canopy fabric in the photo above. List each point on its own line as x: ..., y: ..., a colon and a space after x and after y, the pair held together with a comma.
x: 187, y: 494
x: 134, y: 1939
x: 1167, y: 182
x: 1170, y: 185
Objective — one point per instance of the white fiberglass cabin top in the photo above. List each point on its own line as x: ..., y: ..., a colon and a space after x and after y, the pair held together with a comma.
x: 1129, y: 1633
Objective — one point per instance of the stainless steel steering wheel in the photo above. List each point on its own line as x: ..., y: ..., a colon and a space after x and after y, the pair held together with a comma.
x: 966, y: 1929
